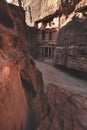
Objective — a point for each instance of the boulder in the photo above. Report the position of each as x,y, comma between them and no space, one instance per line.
67,110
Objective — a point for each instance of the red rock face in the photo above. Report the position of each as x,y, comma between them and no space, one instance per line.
22,101
67,110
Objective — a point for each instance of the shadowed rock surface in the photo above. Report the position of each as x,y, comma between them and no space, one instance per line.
67,110
72,45
22,101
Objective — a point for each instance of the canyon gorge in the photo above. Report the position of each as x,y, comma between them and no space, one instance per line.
24,105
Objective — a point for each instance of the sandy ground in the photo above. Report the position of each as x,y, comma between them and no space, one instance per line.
60,78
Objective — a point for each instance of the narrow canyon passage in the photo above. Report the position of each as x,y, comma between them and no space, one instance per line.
60,78
35,95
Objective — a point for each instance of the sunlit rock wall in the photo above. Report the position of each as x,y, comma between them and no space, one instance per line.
38,9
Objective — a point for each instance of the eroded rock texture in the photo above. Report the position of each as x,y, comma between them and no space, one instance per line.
22,101
39,9
67,110
72,44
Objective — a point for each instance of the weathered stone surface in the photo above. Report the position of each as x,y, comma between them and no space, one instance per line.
72,45
22,101
67,110
36,10
31,33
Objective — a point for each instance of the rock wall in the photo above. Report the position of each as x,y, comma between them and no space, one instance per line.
23,104
22,101
72,44
39,9
31,33
67,110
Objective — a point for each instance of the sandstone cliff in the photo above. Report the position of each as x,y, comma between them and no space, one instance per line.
72,45
22,101
72,42
23,104
39,9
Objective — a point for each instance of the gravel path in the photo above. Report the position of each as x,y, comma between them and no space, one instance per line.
60,78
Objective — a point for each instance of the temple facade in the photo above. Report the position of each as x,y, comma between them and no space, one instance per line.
46,35
46,42
48,27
